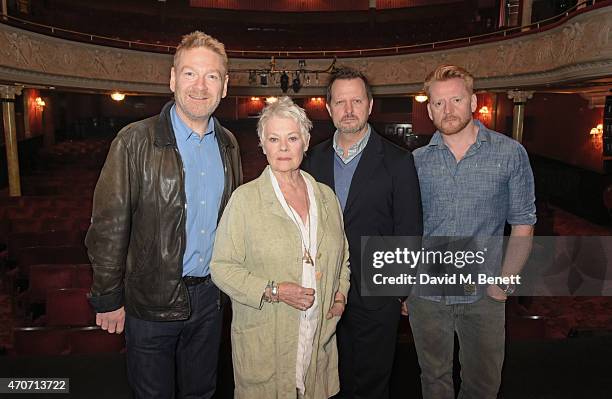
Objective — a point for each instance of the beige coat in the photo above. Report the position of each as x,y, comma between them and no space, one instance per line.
257,242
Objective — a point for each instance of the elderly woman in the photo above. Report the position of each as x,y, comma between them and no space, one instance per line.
282,257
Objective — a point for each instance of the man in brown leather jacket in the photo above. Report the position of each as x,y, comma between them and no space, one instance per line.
156,206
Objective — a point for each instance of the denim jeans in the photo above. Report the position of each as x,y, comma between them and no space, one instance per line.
480,328
168,358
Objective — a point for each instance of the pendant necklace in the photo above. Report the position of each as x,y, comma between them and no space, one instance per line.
306,256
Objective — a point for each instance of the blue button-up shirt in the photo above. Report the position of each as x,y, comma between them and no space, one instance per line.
204,183
491,185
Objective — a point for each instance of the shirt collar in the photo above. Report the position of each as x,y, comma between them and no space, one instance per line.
354,150
483,135
182,131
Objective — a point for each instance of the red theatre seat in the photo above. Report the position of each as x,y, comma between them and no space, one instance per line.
17,241
88,340
40,341
519,328
49,255
45,278
69,307
83,277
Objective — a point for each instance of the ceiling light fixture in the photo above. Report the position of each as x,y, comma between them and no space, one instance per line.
117,96
420,98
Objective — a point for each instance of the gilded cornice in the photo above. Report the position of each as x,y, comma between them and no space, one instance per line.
581,48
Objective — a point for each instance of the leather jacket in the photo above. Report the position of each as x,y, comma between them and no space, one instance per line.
137,236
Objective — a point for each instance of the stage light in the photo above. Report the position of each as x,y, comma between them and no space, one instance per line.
284,82
296,85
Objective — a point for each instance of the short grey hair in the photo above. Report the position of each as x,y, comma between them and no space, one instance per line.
284,107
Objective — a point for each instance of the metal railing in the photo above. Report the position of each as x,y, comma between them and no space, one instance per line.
389,50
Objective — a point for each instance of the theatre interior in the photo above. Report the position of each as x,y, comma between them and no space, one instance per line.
73,73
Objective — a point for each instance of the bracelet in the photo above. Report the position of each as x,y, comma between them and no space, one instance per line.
267,295
271,296
340,301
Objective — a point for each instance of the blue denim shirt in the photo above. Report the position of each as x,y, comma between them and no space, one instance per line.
491,185
204,183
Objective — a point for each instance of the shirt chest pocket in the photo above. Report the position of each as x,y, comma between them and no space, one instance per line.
487,181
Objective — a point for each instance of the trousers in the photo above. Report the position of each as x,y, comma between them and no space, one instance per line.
480,329
168,359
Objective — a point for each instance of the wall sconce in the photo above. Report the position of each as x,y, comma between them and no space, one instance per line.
254,98
420,98
597,130
39,102
118,96
316,99
484,110
271,100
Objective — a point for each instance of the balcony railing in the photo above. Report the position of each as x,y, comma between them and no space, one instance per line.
377,51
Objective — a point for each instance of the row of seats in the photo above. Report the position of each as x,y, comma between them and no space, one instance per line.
49,272
36,202
64,341
18,241
26,257
43,279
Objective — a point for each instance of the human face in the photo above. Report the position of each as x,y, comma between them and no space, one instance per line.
450,106
283,144
349,107
199,82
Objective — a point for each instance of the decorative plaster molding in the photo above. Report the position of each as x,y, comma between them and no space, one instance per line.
520,96
581,48
8,92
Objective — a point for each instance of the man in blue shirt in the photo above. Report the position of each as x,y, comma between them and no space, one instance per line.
473,180
160,194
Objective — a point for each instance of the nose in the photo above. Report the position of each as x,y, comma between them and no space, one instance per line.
447,107
200,83
348,108
283,145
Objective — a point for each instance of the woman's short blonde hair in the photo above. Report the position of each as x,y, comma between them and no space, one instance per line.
448,72
284,107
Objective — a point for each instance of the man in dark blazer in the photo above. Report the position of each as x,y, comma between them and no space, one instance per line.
377,185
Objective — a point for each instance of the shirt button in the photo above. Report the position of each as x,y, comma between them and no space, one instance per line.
202,231
201,260
203,202
202,173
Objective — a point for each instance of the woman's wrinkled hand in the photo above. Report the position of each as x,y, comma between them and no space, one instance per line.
337,307
295,295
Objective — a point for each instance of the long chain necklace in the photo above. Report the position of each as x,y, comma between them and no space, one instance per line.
306,256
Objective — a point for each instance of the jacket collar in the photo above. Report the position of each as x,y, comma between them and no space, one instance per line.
164,134
266,192
371,157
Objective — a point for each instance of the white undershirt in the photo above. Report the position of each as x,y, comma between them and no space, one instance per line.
308,318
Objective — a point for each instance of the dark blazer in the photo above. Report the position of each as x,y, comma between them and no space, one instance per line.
384,199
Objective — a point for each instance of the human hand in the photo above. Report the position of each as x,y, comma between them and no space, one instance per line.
496,293
337,307
295,295
404,310
112,322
